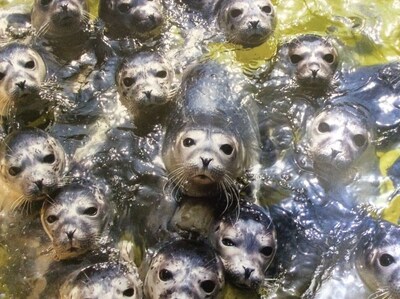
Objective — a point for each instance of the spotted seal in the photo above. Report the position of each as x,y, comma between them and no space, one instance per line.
212,138
132,18
75,220
145,83
22,72
184,269
64,24
33,164
112,279
245,240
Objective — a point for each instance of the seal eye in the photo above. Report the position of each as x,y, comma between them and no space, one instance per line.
359,140
227,242
2,75
13,171
128,292
92,211
227,149
124,7
161,74
324,127
165,275
267,9
267,250
45,2
49,159
128,81
235,12
329,58
295,59
208,286
51,218
30,64
386,260
187,142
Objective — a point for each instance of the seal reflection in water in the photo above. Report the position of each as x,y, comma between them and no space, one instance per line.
212,138
137,18
246,243
184,269
32,166
76,220
22,72
104,280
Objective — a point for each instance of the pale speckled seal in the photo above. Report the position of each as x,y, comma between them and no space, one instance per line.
76,220
103,280
245,240
132,18
22,72
212,138
145,83
33,164
184,269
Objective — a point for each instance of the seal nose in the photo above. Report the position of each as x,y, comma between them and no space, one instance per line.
148,93
64,6
206,161
247,272
254,24
314,72
335,153
39,184
21,84
70,234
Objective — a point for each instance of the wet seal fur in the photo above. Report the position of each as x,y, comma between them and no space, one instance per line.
211,139
32,164
133,18
245,240
113,279
76,220
243,22
184,269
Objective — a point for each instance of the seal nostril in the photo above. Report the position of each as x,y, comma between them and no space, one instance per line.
314,73
206,161
247,272
64,7
70,234
21,84
152,18
335,153
39,184
148,93
254,24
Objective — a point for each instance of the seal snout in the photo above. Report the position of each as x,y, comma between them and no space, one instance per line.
247,272
206,161
254,24
21,84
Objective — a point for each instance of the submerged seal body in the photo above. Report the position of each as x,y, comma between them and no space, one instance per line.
32,165
75,220
133,18
245,240
103,280
22,72
184,269
212,138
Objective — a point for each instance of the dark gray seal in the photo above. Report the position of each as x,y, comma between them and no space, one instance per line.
245,240
33,164
76,220
132,18
184,269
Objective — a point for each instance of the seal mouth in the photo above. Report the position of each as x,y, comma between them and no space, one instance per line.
202,179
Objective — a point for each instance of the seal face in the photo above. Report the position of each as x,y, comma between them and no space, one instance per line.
212,139
312,60
338,137
32,163
144,81
75,220
58,19
244,22
103,280
139,18
246,243
22,71
184,269
378,263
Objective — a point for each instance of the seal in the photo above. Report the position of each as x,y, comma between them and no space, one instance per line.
202,154
75,220
245,240
184,269
22,72
145,86
63,24
32,164
112,279
132,18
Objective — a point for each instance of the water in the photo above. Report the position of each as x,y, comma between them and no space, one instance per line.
98,134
